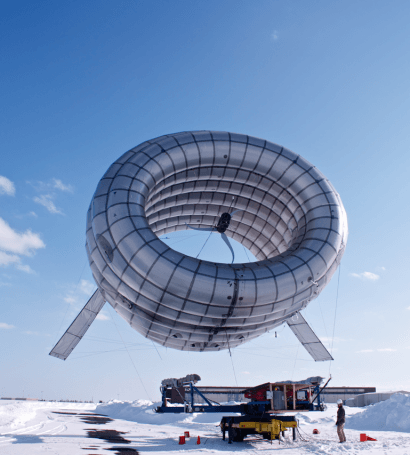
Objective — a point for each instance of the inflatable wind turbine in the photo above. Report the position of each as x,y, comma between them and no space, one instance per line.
264,196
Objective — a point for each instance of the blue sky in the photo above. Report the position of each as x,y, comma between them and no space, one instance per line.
82,82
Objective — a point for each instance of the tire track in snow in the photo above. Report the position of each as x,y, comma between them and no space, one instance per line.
52,429
6,439
26,429
62,430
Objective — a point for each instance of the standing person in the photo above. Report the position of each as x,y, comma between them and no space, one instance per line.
340,422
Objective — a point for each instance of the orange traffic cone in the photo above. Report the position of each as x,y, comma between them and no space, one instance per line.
181,440
371,439
198,441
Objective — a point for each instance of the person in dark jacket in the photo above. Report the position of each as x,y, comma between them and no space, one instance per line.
340,422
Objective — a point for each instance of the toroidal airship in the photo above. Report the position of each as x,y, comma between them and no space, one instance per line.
266,197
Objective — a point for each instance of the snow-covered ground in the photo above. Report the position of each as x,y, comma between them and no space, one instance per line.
43,428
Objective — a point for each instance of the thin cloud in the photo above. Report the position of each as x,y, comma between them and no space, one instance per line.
367,276
52,184
25,243
25,268
14,244
31,214
7,259
46,200
387,350
70,299
365,351
102,317
275,35
75,294
7,186
59,185
12,259
87,287
49,193
5,326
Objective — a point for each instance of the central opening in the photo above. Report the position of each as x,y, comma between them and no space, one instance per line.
264,217
207,246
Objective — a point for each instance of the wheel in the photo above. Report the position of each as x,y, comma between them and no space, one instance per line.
237,435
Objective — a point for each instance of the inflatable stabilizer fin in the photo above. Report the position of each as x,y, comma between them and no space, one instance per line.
308,338
79,327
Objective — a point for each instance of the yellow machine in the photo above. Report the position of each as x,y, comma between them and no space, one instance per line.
270,430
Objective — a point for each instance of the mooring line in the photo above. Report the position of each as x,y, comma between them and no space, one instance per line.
153,344
69,304
246,253
230,355
296,358
129,355
334,321
203,246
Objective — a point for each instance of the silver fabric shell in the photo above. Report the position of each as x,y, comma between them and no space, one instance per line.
293,221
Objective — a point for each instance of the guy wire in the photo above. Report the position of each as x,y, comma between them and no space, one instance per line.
334,322
129,355
296,358
246,253
204,245
153,344
69,304
230,355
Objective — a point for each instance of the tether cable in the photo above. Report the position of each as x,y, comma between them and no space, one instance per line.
230,355
69,303
153,344
129,355
334,321
246,253
296,358
203,246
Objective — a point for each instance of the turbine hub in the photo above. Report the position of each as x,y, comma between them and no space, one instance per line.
223,223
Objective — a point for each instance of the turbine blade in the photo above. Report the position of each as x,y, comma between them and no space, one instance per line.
226,240
200,229
80,325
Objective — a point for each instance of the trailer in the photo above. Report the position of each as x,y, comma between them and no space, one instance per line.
263,414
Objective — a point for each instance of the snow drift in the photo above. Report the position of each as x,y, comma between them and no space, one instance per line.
16,413
390,415
143,411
